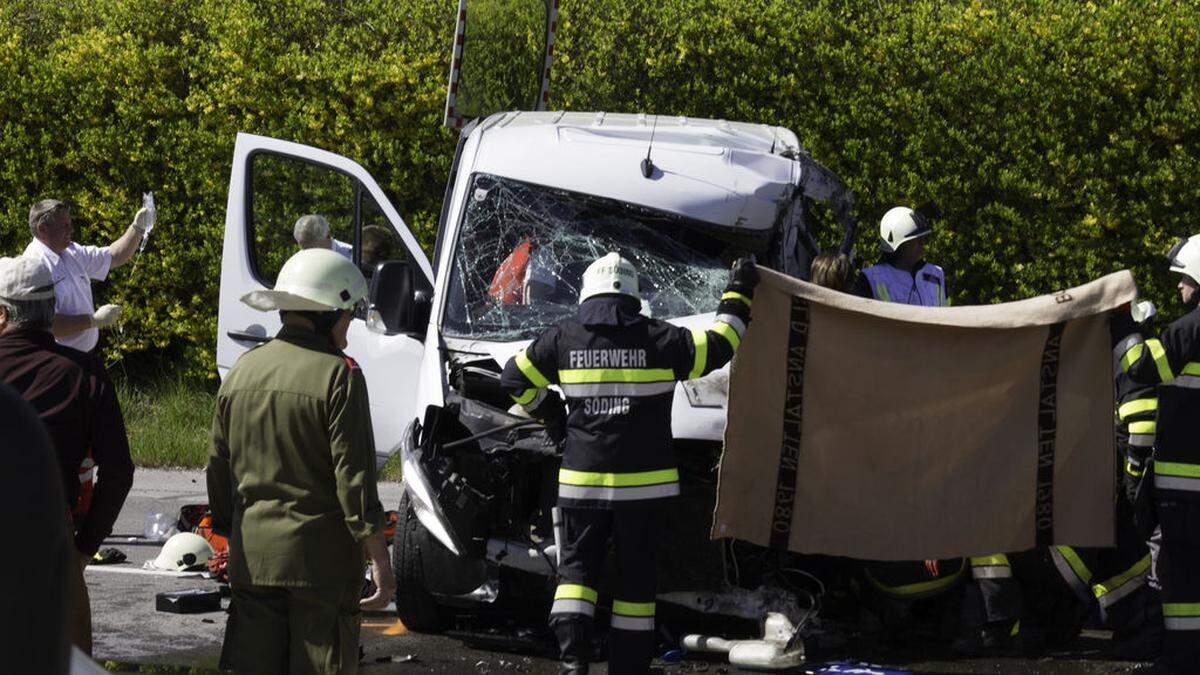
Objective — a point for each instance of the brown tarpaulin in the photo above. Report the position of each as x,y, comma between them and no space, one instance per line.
891,432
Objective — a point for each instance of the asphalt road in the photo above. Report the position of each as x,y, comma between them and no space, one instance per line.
129,630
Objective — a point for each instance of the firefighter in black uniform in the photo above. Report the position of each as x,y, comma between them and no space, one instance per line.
1115,579
1172,361
617,370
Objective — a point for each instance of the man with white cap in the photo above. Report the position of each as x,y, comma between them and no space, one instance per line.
73,267
291,480
77,403
617,370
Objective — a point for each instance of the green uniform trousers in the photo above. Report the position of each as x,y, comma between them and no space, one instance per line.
301,631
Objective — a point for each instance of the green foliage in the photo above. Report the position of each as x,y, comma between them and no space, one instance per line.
168,420
1058,136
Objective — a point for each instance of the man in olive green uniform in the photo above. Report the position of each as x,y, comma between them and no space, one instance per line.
291,478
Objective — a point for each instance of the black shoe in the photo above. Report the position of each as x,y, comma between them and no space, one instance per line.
1144,645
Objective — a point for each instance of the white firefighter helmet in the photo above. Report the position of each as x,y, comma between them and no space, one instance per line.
183,551
1185,257
901,224
315,280
610,275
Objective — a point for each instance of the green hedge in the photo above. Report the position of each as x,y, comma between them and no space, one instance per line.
1058,137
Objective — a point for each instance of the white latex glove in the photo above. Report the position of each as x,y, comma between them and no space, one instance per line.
1142,311
144,220
106,316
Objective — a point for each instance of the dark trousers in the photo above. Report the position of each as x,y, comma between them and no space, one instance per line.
1113,578
584,536
1179,573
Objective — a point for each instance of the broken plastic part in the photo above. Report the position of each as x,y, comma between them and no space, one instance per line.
498,292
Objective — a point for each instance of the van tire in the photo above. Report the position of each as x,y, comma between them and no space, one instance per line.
416,607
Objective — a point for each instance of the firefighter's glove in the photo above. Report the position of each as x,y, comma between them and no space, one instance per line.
1142,311
744,275
106,316
143,220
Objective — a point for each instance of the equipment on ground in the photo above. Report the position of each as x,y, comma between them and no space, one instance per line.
777,650
313,280
191,601
182,552
1185,257
901,224
610,275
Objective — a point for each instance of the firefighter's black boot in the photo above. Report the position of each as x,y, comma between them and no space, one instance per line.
574,644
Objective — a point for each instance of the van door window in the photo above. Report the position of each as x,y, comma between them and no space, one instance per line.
284,189
378,241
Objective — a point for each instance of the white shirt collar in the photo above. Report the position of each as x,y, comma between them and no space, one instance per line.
45,251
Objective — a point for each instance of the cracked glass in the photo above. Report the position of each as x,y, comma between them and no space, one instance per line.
523,248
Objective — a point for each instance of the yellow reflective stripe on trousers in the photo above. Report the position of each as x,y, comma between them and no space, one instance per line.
1139,568
881,292
1139,406
575,592
591,478
633,608
1081,571
734,295
726,331
526,396
700,343
1191,368
1143,427
920,589
1160,359
990,560
1177,469
1133,469
1181,616
530,371
592,375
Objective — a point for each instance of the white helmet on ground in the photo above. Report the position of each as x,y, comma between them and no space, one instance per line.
610,275
1185,257
183,551
901,224
313,280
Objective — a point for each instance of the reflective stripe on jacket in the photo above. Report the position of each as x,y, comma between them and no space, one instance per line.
1171,361
617,370
926,286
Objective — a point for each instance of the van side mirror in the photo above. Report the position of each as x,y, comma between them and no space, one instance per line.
399,300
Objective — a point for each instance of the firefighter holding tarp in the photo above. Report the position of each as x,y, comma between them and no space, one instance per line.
1173,362
617,370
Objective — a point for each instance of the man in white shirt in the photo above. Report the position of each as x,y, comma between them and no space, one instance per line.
73,267
312,231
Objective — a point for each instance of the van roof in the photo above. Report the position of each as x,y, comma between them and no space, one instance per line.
733,174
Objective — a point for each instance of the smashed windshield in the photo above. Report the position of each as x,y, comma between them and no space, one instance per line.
523,248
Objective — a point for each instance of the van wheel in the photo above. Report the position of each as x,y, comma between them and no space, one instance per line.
416,607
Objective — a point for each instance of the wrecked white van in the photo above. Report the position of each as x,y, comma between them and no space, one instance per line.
532,199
